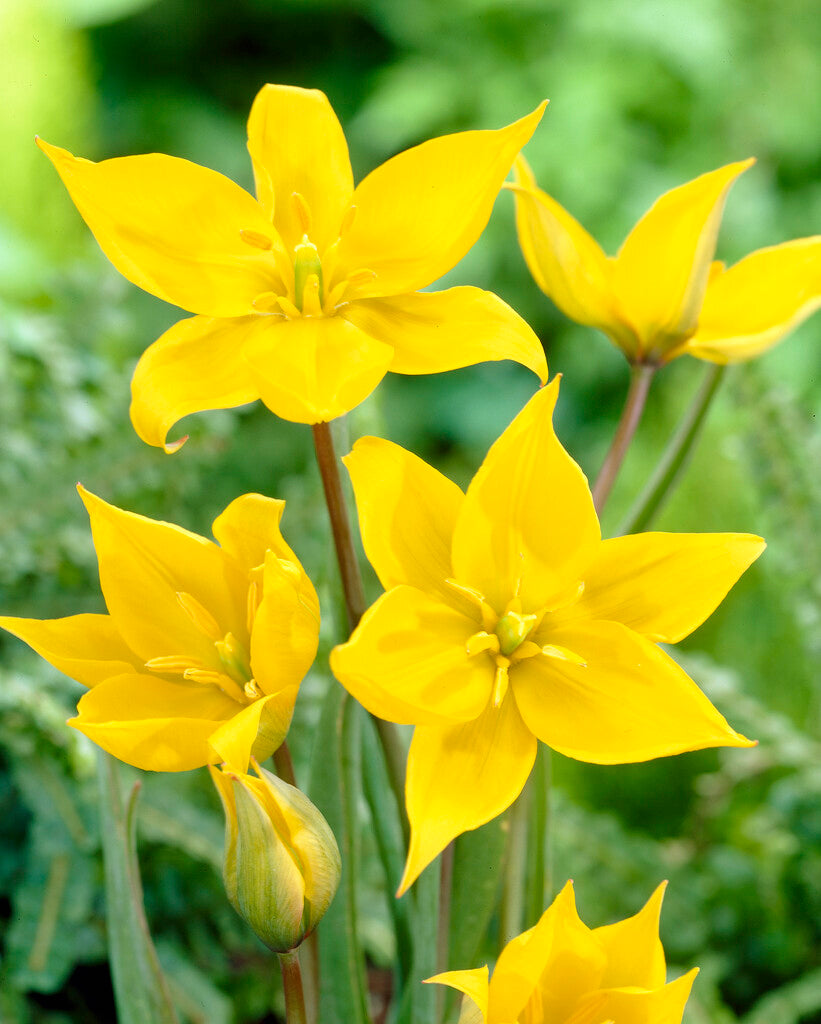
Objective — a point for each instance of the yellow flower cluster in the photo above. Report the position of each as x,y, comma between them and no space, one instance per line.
506,618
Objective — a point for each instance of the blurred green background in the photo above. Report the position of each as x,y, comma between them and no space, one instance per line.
645,94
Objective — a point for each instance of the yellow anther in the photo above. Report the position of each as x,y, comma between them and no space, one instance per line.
251,605
501,680
334,297
201,617
526,649
480,642
209,678
489,616
563,654
360,277
256,239
312,297
267,302
252,690
176,664
347,220
512,628
288,308
302,211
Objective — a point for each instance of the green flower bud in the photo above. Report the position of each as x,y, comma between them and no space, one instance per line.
282,863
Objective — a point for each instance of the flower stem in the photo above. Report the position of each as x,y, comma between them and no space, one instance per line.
675,457
641,377
355,598
513,892
443,931
292,983
540,887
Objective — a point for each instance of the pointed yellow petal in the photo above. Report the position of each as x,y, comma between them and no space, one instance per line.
407,511
87,648
662,269
663,1005
635,956
257,730
144,564
432,332
194,366
566,262
460,776
631,703
297,145
663,585
549,966
172,228
528,525
753,305
407,661
474,984
154,724
249,527
420,212
286,627
313,369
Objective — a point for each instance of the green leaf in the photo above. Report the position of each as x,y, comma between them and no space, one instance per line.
419,1004
334,788
476,879
140,989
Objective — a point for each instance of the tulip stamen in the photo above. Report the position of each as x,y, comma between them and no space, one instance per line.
501,680
256,239
302,211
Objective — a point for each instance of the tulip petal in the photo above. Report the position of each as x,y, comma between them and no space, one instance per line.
631,702
407,511
297,145
548,966
144,564
249,527
256,730
194,366
87,648
527,525
662,268
663,585
432,332
286,627
152,723
473,984
407,661
663,1005
566,262
635,955
421,211
313,369
173,228
460,776
754,304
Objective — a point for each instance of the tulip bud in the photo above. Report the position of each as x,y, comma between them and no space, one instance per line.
282,863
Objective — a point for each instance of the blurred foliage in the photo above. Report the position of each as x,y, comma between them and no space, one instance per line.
645,94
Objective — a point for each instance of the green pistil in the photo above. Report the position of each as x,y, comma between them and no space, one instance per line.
512,629
306,262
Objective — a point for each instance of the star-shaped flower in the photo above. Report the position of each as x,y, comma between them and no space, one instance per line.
203,648
562,972
663,296
307,295
507,619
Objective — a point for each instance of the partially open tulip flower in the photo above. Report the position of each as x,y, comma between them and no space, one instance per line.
203,648
562,972
663,295
307,295
507,619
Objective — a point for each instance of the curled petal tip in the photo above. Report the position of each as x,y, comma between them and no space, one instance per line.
169,447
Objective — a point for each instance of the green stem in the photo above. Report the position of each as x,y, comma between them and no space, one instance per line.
513,894
676,456
443,930
354,592
641,377
292,983
538,854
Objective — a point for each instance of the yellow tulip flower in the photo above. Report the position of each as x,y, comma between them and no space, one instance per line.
507,619
307,295
203,648
663,296
282,862
562,972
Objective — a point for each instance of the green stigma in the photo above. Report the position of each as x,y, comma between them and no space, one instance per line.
512,629
306,262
